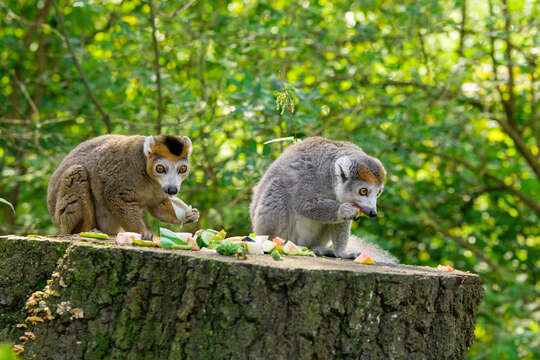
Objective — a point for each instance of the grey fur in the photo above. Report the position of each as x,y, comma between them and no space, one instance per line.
307,195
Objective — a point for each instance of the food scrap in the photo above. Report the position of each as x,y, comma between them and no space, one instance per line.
208,238
359,212
278,240
276,255
445,268
168,239
227,248
213,241
364,258
180,208
94,235
126,238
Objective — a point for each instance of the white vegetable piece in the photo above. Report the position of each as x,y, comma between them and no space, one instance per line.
184,235
180,208
268,246
254,248
126,238
290,247
261,238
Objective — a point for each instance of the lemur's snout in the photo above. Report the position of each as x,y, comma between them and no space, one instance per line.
371,212
170,189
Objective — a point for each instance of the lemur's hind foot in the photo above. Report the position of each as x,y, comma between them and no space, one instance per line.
332,253
74,208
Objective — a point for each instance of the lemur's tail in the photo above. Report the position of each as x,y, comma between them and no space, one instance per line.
357,244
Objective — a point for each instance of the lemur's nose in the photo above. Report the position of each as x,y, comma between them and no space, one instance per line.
372,213
171,190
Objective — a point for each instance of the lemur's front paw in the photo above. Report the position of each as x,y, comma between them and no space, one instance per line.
347,211
147,235
192,215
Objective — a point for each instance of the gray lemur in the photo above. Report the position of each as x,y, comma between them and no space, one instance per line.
313,191
105,182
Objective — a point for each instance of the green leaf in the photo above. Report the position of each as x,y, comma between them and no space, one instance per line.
4,201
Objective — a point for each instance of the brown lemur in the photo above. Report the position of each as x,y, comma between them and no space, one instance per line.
105,182
309,193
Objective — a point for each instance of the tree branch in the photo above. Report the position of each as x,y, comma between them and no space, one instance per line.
524,198
156,66
27,96
535,118
104,115
423,52
434,224
110,20
511,103
521,146
462,31
181,10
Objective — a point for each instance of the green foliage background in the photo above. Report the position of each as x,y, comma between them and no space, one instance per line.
445,93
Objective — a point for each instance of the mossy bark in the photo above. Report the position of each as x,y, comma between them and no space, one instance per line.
139,303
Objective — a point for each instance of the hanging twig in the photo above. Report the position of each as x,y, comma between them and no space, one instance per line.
104,115
156,66
289,105
181,10
27,96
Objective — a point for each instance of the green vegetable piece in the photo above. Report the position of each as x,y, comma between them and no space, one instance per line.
166,243
227,248
221,235
166,233
181,247
210,238
143,243
276,256
203,240
32,236
94,235
302,251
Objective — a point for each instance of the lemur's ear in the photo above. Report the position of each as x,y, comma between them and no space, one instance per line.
342,167
187,142
147,146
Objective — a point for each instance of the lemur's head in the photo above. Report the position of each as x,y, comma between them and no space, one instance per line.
167,160
359,180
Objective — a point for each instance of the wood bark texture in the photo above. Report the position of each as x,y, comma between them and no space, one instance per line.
98,300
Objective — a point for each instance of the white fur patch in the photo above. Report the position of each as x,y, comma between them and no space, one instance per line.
188,143
343,166
147,146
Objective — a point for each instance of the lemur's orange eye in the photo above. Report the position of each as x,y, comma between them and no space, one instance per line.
160,169
363,191
182,169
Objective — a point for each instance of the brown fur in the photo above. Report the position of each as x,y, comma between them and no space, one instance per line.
160,148
103,183
364,173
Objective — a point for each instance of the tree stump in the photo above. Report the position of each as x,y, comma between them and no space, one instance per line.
94,300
